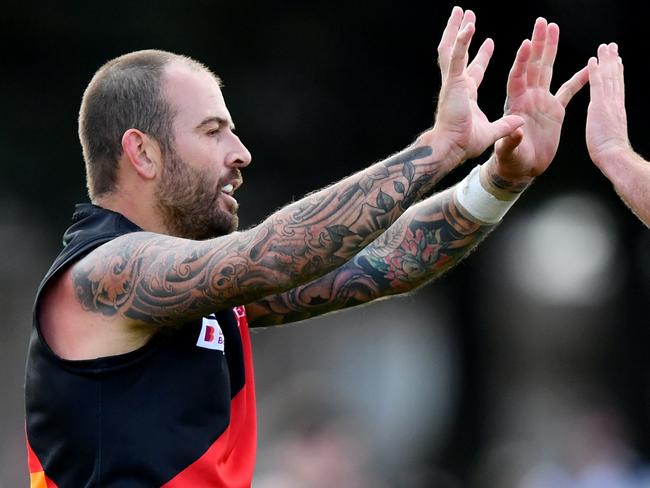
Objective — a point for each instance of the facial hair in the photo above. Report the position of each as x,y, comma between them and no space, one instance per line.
188,200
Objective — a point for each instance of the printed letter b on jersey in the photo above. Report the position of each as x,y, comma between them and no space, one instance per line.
211,336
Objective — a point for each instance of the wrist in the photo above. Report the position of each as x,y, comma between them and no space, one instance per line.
503,184
620,166
479,204
448,154
616,158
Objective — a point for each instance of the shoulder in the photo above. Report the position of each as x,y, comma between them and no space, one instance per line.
72,332
78,306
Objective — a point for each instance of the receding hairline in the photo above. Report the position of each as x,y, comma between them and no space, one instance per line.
180,60
166,60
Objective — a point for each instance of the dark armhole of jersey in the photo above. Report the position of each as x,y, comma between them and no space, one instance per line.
63,262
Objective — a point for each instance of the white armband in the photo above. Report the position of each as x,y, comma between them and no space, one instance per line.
478,202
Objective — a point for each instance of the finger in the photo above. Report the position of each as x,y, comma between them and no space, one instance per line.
538,41
517,78
608,69
572,86
458,59
616,73
506,125
621,78
510,142
612,49
479,64
613,71
448,37
595,79
548,58
468,18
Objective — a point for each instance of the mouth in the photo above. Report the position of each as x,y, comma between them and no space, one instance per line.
229,189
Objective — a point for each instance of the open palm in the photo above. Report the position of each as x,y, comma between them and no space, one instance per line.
529,151
606,117
458,116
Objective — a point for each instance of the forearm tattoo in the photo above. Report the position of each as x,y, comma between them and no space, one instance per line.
151,278
420,246
501,184
506,185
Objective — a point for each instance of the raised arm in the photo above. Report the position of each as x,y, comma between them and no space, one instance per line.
435,234
528,152
607,137
427,240
148,278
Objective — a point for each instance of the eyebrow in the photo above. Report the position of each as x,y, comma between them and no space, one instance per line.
218,120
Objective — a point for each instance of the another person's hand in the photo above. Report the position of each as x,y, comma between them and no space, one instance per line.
459,120
607,137
529,150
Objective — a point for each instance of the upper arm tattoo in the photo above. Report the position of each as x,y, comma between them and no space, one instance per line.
151,278
425,242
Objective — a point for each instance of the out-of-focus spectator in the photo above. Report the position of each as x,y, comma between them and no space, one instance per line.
596,454
319,444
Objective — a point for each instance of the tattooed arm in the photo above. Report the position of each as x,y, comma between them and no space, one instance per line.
433,235
145,278
148,278
152,278
427,240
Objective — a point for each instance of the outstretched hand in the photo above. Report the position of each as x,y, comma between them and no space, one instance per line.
529,150
606,118
459,120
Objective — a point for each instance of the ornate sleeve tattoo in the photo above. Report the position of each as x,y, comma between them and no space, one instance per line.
150,278
425,242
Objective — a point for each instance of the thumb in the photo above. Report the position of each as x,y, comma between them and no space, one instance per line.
510,142
508,125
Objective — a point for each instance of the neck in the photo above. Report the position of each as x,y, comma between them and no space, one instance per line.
138,209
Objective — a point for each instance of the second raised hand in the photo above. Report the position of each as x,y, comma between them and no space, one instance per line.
459,120
528,151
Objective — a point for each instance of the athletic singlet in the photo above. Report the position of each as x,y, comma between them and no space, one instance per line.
179,412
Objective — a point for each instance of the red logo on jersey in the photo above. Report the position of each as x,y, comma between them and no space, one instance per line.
211,335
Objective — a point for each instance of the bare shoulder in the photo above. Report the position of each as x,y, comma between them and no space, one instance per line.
75,333
86,311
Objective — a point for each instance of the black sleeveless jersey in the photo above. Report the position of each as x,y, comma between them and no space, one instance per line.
179,412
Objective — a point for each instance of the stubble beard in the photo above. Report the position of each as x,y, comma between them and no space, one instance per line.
188,200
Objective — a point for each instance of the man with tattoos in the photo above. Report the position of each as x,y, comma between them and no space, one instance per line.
139,370
607,139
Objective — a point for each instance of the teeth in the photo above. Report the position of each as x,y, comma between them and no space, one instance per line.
227,188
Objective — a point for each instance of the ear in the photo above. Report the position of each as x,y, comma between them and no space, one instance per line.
142,152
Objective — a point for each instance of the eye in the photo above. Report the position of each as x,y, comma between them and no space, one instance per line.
214,132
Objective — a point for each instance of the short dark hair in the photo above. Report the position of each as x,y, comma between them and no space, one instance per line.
124,93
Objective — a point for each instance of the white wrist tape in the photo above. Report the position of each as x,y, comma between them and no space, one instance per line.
478,202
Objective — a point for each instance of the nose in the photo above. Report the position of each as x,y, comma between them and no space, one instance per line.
239,156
